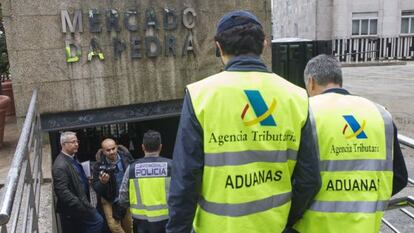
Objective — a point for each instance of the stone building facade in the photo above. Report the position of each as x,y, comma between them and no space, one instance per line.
94,54
333,19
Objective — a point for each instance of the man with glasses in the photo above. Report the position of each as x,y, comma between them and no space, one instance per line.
71,187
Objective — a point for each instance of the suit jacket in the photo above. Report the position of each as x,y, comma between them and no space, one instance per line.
71,196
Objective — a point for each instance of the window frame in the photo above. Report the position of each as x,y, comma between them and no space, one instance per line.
360,17
410,17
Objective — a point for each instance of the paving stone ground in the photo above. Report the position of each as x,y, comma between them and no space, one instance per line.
392,87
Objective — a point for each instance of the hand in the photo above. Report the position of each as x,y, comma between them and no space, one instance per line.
118,212
104,177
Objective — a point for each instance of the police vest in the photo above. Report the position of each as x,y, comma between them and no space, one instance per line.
149,184
355,146
252,125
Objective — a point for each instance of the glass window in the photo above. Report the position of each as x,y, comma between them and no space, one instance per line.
404,25
407,13
355,27
373,27
364,27
407,22
412,25
364,23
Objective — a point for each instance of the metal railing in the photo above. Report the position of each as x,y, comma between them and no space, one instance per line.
365,49
19,203
400,203
4,77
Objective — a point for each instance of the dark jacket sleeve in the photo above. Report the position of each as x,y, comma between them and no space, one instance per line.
108,190
187,169
61,184
400,178
306,179
96,184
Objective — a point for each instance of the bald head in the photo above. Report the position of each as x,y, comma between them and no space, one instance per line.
110,149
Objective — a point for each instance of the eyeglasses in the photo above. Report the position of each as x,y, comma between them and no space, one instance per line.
74,141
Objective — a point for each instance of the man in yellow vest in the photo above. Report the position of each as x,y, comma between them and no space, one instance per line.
145,187
244,159
360,158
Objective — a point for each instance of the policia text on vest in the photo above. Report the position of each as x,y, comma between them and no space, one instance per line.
150,169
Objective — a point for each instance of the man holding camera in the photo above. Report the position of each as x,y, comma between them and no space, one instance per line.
111,163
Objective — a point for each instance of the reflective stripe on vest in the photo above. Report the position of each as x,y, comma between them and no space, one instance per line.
246,157
356,172
349,206
237,210
149,211
356,165
148,192
251,125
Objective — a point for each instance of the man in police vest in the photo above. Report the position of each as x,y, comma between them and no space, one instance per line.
145,187
360,158
244,158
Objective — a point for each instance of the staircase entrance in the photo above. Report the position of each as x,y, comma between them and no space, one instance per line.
125,124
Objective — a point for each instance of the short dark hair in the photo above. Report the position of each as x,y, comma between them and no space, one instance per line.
243,39
151,140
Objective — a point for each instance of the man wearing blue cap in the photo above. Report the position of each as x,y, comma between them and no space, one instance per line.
244,159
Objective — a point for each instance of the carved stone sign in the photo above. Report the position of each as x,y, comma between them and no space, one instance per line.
110,20
86,55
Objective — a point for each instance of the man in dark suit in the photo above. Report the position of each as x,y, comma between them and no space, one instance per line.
72,190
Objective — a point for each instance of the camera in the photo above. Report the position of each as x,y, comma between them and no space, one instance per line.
108,168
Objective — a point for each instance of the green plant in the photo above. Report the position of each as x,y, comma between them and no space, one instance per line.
4,59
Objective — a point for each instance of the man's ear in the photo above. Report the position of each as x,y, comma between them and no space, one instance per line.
311,83
265,44
219,51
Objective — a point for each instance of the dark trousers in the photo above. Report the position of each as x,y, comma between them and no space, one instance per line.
143,226
92,223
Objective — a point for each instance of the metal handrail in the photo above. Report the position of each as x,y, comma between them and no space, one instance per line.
20,180
369,51
399,203
406,140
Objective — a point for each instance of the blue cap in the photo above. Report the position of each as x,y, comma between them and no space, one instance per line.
236,18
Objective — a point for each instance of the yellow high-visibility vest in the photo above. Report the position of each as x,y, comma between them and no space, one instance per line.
354,137
252,125
149,184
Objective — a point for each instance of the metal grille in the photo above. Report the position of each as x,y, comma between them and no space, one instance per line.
404,203
373,49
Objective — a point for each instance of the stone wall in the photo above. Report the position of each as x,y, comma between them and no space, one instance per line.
294,18
306,19
36,44
331,19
